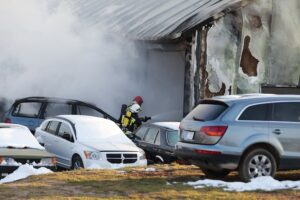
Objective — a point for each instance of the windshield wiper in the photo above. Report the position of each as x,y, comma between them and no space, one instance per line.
198,119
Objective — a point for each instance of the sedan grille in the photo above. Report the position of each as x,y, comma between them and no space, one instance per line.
118,158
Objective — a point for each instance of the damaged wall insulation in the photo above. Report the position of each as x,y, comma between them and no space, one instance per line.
257,44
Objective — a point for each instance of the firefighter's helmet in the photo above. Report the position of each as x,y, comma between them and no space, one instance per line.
138,100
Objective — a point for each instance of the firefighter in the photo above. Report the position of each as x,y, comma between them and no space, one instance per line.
129,119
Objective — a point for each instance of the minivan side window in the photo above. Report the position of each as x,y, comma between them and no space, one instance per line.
256,113
151,135
287,111
52,127
27,109
54,109
85,110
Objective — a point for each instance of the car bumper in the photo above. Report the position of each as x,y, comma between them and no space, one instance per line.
210,158
102,164
10,169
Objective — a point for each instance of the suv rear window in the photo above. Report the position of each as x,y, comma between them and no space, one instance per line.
27,109
207,111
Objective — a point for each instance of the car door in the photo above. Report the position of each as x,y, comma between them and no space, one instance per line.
49,136
170,138
64,144
139,135
285,126
148,143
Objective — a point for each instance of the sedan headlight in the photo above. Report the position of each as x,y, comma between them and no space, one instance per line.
142,155
92,155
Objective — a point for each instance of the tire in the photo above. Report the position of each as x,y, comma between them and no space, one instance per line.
77,163
257,162
214,174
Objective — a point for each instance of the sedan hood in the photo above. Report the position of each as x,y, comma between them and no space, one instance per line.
110,146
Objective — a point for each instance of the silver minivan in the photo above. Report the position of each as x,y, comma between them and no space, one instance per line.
254,134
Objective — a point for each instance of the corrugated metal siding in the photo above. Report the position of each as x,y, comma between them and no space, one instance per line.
149,19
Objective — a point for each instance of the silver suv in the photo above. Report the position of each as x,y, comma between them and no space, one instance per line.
254,134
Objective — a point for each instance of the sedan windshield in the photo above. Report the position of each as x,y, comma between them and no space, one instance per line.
18,137
100,131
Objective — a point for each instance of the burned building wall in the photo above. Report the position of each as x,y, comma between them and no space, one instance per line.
254,45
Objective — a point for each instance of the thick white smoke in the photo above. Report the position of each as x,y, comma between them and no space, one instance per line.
47,51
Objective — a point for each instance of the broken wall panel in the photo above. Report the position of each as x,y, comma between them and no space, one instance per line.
257,44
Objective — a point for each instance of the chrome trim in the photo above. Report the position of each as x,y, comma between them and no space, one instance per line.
265,102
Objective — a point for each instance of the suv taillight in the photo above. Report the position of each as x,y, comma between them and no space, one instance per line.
214,130
7,120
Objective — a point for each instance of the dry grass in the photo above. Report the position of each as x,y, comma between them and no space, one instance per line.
133,184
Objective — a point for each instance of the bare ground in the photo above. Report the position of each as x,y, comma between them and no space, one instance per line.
134,183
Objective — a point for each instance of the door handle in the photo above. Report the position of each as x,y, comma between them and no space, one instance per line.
277,131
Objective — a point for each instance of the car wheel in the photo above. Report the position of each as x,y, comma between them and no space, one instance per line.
77,163
258,162
214,174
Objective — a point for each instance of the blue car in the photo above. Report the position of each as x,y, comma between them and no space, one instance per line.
32,111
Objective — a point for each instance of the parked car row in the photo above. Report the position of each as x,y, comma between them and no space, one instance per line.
253,134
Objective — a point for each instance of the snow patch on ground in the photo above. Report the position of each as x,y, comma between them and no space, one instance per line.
150,169
261,183
23,172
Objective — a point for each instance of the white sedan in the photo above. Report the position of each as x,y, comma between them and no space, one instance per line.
88,142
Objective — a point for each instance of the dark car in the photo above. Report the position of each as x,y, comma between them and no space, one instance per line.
158,140
32,111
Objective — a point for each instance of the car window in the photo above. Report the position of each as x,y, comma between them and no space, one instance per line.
286,112
85,110
27,109
44,126
206,111
64,129
54,109
141,133
151,135
172,137
256,112
157,140
52,127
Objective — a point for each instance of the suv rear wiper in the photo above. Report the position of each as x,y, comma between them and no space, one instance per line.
198,119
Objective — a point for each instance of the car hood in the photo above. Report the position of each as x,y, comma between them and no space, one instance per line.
24,153
110,146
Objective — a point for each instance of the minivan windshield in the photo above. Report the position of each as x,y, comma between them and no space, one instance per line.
206,111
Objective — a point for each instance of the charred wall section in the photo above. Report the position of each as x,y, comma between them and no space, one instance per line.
257,44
